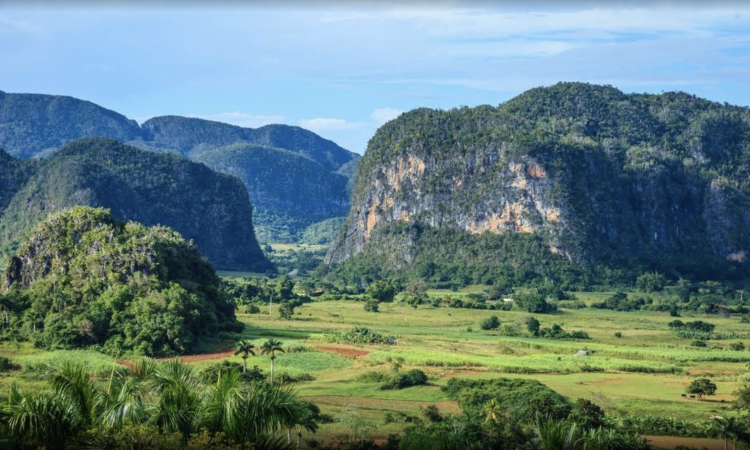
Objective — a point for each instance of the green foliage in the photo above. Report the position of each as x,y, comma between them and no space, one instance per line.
372,305
209,208
701,387
382,291
292,193
587,414
534,303
34,124
154,404
620,302
490,323
651,282
414,377
85,279
358,335
524,399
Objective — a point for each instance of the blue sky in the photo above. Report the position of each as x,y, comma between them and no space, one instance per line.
343,71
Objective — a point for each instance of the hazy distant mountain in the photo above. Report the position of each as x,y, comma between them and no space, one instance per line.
210,208
36,125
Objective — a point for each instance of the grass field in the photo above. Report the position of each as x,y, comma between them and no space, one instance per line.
643,372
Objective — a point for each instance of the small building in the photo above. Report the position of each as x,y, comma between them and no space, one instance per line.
507,300
582,353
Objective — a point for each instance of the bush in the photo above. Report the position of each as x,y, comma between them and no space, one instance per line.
651,282
737,346
414,377
6,365
372,305
699,343
491,323
618,334
359,335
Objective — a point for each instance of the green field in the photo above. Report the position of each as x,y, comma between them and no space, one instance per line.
644,372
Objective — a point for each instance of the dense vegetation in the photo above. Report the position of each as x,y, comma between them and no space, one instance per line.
85,279
620,185
32,124
295,177
211,209
289,191
154,405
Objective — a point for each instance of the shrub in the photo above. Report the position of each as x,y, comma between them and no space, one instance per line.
737,346
414,377
491,323
699,343
6,365
618,334
372,305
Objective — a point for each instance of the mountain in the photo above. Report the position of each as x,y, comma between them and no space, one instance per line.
574,183
285,187
83,278
34,124
189,135
209,208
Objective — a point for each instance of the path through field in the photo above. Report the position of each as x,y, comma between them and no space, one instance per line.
670,442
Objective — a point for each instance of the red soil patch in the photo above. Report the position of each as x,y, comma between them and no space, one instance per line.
342,351
201,357
670,442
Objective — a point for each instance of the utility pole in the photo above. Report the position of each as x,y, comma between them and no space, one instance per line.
270,305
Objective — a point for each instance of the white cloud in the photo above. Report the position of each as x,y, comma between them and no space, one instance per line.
242,119
321,124
383,115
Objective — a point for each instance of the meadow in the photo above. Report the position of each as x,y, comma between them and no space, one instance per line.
642,372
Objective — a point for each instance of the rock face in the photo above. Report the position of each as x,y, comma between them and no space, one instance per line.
631,182
210,208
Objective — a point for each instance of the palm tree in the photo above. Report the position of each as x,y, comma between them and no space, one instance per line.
492,411
726,428
270,347
177,390
555,435
244,348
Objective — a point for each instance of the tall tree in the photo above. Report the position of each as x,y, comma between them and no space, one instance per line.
271,347
244,348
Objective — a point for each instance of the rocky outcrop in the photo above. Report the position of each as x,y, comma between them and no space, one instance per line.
645,182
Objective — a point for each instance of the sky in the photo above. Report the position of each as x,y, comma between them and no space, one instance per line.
342,71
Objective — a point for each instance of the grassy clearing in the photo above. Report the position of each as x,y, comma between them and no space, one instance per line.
643,372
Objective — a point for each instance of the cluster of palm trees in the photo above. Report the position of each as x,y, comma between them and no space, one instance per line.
168,397
729,428
554,434
271,347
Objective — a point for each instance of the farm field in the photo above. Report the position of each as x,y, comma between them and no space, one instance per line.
644,372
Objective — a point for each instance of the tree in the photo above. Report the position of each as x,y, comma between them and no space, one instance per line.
701,387
244,348
534,303
492,411
286,310
727,428
285,288
587,414
532,325
490,323
371,305
742,396
382,291
271,347
737,346
416,292
651,282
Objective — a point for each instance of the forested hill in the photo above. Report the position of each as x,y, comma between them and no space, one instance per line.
36,125
209,208
189,135
285,187
574,182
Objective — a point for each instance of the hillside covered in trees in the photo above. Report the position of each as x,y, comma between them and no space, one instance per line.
574,183
82,278
34,125
209,208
